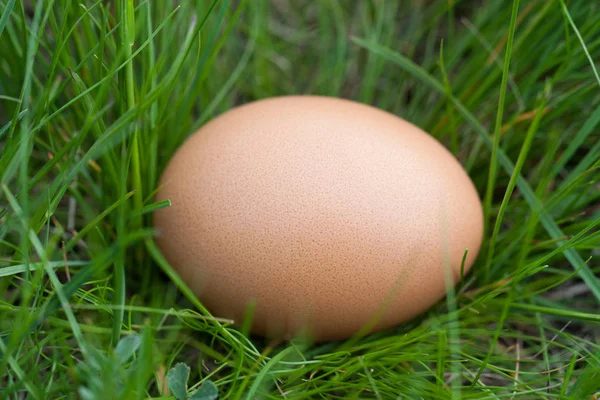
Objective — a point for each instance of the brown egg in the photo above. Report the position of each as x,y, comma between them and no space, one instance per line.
325,213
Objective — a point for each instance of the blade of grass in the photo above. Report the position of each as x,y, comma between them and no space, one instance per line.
533,128
370,378
583,46
128,41
491,181
154,107
253,390
6,127
568,314
17,269
152,207
449,109
73,241
6,12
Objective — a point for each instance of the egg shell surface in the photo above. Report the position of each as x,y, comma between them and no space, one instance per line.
326,214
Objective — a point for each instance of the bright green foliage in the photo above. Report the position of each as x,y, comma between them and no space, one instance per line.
95,97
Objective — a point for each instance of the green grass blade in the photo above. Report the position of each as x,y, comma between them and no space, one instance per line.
583,46
18,269
533,128
491,182
6,12
253,390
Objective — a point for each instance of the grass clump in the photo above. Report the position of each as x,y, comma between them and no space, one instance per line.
96,96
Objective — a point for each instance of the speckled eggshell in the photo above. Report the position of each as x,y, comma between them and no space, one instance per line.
325,213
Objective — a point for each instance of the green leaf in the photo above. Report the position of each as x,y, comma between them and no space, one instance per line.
177,380
86,394
71,243
6,14
208,391
152,207
17,269
583,46
262,375
6,127
127,347
587,384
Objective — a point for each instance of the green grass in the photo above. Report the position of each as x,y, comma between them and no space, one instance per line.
95,97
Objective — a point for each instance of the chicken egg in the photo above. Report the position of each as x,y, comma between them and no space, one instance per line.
328,215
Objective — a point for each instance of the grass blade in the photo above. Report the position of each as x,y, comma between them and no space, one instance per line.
491,182
6,12
513,180
583,46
